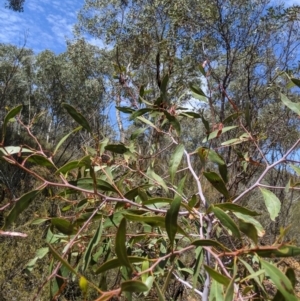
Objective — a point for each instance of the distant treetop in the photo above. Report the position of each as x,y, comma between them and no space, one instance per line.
15,5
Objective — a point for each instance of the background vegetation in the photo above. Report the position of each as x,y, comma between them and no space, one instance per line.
191,193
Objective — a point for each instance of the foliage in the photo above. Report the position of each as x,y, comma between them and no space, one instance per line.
196,195
104,203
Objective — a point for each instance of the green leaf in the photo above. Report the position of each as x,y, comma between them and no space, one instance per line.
216,291
92,244
296,81
252,272
21,204
63,261
115,263
296,169
68,166
134,286
254,222
117,148
217,182
40,253
149,282
248,229
226,221
235,208
209,243
148,122
159,292
290,274
78,117
282,283
154,221
190,114
12,150
126,110
62,225
164,84
40,160
63,139
272,203
232,117
11,114
217,276
140,112
137,132
291,105
175,160
197,90
88,184
174,122
120,244
171,220
217,133
156,179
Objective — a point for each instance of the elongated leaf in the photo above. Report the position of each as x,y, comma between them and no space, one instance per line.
63,225
190,114
137,132
290,274
164,84
159,292
11,114
149,282
157,179
226,221
117,148
232,117
11,150
40,253
175,160
254,222
131,194
235,208
21,205
88,184
92,244
63,139
171,220
63,261
217,276
115,263
154,221
296,169
209,243
248,229
216,133
174,122
216,291
252,272
120,244
40,160
217,182
140,112
291,105
78,117
272,203
282,283
69,166
197,90
126,110
134,286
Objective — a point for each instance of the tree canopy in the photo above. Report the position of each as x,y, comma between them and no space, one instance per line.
191,191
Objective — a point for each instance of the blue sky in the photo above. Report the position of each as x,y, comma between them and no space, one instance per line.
45,24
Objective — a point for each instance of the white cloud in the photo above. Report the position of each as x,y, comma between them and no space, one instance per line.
44,24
